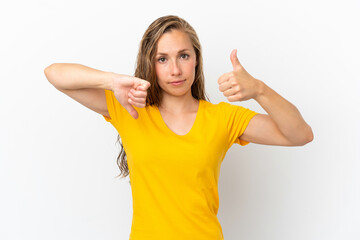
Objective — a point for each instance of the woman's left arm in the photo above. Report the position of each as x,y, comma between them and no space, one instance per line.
282,126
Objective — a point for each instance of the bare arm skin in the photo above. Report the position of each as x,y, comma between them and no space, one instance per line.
86,85
283,126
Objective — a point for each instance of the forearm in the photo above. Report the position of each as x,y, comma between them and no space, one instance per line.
286,116
77,76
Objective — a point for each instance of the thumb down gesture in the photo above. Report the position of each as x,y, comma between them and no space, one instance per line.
238,85
130,91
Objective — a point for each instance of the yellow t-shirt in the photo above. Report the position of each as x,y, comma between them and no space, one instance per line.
174,178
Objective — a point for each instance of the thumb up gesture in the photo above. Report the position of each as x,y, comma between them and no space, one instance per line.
238,85
130,91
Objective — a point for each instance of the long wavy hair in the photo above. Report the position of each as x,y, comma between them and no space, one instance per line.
145,68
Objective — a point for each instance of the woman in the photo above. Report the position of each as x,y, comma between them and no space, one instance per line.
173,140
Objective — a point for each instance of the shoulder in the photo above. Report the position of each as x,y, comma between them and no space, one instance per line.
210,105
221,106
228,112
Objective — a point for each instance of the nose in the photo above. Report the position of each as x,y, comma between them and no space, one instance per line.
175,68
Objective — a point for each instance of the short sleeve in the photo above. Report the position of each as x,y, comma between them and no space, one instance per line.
236,120
114,108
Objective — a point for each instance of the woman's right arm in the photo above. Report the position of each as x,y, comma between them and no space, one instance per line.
77,76
86,85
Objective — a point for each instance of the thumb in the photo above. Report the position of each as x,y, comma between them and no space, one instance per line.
131,110
234,60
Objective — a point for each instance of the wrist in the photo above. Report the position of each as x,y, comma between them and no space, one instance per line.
110,80
261,89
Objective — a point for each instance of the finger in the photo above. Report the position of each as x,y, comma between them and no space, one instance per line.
137,83
131,110
225,86
141,88
235,97
229,92
138,93
234,60
141,84
136,104
223,78
145,84
136,100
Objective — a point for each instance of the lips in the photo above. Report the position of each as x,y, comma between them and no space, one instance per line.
177,81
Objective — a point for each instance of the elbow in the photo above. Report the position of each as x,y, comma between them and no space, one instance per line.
303,139
48,69
309,137
49,72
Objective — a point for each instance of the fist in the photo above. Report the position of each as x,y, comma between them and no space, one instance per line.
238,85
130,91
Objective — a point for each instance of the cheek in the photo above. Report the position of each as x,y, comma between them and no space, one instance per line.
156,69
160,75
190,68
159,71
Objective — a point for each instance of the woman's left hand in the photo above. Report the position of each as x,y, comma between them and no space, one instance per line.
238,85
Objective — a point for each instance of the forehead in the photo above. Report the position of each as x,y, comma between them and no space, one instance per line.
174,41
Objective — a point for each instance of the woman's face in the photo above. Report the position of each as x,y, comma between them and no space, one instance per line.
175,60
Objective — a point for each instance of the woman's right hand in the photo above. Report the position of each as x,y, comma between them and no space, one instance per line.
130,91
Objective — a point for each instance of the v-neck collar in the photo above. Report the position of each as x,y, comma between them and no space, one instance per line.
192,128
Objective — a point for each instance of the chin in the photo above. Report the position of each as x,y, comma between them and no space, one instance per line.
179,92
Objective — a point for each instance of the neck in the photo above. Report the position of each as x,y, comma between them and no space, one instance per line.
179,104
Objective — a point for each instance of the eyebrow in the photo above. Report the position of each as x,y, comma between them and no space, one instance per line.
183,50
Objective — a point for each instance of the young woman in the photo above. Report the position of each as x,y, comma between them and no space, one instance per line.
173,139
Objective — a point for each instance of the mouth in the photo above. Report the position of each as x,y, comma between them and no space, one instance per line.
177,81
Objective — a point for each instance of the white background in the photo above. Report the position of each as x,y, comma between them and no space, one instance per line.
58,158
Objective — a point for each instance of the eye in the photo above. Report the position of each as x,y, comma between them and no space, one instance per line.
184,56
187,55
159,60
